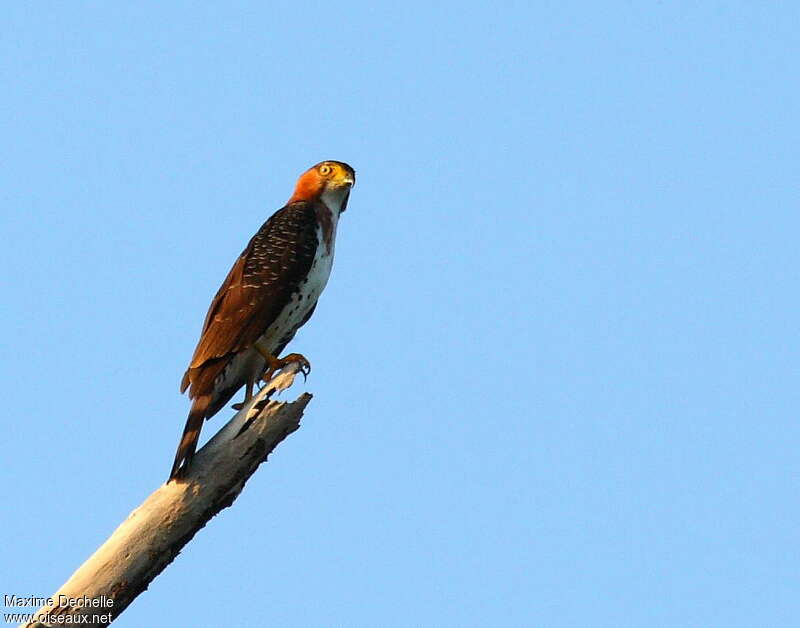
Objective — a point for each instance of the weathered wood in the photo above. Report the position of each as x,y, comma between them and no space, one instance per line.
153,534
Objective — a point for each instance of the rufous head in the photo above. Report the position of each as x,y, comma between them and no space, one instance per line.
331,179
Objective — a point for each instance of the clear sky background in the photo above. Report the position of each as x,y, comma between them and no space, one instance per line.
556,366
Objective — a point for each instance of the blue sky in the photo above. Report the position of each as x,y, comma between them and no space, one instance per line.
555,368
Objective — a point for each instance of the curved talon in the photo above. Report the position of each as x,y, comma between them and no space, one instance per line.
275,364
305,365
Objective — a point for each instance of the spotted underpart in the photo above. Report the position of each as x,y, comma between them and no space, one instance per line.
298,309
278,277
270,293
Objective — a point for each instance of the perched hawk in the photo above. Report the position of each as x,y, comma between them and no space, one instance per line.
270,292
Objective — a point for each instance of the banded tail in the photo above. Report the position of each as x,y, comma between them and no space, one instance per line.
191,434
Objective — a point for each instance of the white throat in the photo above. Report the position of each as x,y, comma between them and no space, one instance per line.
334,198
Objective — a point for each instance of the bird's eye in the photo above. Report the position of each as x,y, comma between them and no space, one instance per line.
325,169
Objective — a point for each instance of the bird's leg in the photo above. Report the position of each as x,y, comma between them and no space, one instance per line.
275,364
248,394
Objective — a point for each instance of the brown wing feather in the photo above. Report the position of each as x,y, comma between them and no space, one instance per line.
255,291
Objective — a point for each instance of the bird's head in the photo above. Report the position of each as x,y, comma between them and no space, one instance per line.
328,181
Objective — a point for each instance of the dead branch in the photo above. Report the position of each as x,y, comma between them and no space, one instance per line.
153,534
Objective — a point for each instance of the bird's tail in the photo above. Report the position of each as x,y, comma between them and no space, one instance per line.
191,434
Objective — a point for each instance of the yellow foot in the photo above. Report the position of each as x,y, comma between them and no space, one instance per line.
276,364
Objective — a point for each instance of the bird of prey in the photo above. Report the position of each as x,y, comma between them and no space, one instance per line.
270,293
